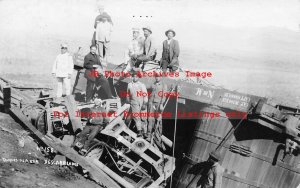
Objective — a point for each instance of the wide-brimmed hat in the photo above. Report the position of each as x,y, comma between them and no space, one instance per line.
104,15
147,28
170,30
215,155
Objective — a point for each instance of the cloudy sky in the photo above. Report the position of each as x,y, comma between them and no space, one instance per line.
231,13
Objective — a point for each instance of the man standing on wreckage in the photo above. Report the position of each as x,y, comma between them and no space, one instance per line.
137,103
156,101
90,61
103,36
96,81
62,70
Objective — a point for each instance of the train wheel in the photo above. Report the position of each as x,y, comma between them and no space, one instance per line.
95,152
32,111
41,123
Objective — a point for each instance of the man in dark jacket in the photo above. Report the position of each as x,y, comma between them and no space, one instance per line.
91,61
170,52
96,122
102,88
208,173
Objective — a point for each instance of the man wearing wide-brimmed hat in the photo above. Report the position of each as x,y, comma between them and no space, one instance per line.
62,70
170,52
149,48
137,98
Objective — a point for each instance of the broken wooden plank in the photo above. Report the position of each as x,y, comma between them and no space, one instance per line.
6,98
97,174
72,108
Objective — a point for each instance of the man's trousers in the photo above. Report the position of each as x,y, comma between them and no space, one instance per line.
166,64
88,133
103,49
138,117
153,107
67,84
89,90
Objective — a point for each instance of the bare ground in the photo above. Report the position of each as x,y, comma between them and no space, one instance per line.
18,162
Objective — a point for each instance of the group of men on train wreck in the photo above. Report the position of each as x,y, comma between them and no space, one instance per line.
141,50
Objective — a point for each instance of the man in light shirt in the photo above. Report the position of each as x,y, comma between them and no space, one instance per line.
135,48
103,35
62,69
149,48
138,103
101,14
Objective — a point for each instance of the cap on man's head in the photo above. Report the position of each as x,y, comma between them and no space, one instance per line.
148,29
215,155
64,45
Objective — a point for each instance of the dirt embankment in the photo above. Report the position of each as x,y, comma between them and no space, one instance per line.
22,163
